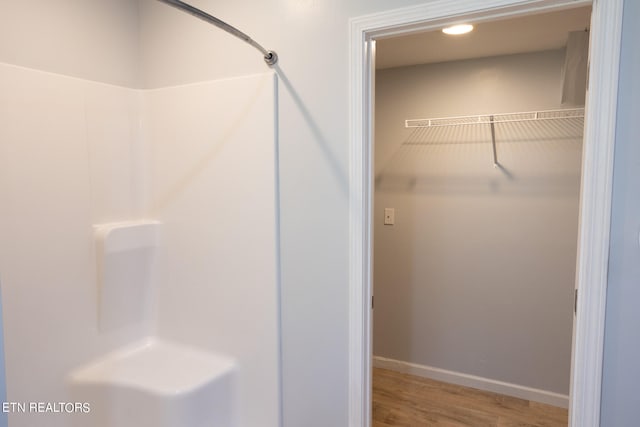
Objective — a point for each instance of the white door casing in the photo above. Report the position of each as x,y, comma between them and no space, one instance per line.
595,193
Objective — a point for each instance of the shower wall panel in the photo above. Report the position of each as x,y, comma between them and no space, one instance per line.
212,154
68,159
200,159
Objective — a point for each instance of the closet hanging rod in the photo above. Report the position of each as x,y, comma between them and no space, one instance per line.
270,57
526,116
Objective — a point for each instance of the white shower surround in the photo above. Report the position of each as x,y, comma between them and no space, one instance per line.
74,153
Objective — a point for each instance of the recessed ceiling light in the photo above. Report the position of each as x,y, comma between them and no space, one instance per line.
458,29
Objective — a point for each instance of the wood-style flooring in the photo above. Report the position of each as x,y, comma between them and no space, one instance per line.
410,401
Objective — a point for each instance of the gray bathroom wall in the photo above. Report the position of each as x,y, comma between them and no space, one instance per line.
621,373
89,39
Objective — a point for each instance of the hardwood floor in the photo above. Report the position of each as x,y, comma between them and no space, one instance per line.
410,401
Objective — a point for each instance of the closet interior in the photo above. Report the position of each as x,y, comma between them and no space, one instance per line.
478,159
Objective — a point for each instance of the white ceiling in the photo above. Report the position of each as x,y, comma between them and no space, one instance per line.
518,35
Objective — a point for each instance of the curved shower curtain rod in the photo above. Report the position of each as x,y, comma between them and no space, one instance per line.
270,57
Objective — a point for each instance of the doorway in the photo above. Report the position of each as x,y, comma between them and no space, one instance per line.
478,142
595,193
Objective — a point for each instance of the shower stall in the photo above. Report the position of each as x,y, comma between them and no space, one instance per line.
139,284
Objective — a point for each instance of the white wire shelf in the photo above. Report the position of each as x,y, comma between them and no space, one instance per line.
527,116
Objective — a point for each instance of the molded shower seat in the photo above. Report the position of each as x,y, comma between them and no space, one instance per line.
157,383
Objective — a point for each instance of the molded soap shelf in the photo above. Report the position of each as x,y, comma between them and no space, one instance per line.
124,259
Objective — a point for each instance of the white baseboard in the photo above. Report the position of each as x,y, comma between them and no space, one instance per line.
486,384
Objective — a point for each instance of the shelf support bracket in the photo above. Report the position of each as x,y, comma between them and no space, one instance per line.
493,142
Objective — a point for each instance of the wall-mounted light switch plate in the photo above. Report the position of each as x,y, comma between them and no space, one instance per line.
389,216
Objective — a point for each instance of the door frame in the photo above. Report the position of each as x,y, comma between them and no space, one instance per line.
595,193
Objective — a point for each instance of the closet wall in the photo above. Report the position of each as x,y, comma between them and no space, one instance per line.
477,274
